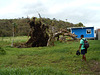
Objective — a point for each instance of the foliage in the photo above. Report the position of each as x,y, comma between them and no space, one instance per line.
79,25
6,25
2,51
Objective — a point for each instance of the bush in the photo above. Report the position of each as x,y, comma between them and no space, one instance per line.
2,51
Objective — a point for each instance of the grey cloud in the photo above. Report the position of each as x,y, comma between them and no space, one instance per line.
32,7
73,14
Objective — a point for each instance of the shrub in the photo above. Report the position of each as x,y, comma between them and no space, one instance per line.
2,51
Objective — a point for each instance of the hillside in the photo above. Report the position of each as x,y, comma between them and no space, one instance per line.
58,60
22,28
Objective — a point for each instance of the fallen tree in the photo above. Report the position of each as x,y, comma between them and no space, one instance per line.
42,34
64,32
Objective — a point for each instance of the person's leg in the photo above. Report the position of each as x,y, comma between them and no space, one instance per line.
84,57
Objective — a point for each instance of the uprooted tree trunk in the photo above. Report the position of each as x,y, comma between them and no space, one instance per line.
65,33
71,35
38,35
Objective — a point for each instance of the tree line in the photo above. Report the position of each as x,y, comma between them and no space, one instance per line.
22,26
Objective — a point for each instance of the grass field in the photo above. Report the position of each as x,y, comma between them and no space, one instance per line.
58,60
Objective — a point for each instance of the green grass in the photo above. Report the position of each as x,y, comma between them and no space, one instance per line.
58,60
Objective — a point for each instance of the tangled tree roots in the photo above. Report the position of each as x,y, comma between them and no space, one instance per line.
38,35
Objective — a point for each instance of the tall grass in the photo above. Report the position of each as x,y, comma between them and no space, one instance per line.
32,71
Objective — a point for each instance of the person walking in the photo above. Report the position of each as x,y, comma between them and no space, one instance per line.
82,47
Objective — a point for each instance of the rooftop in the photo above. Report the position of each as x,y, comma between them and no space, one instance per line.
79,27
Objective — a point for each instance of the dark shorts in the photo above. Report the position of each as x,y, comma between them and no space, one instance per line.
84,51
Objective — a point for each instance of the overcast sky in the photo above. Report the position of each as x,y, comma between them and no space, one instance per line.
75,11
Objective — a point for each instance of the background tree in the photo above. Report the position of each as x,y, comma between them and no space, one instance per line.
79,25
23,27
13,31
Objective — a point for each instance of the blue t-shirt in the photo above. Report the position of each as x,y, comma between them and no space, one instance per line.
82,42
